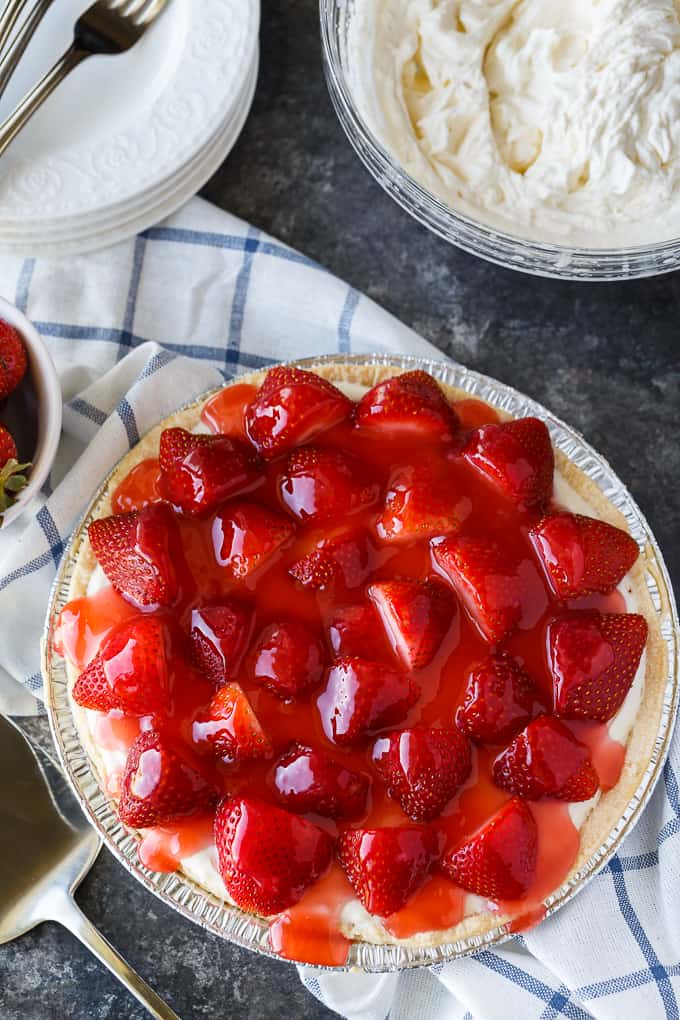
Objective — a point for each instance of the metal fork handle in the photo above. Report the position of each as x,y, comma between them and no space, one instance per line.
8,19
66,911
32,102
10,60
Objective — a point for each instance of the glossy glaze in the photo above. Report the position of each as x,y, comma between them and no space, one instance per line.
309,930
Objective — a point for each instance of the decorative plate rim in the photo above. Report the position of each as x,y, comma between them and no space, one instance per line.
169,121
220,918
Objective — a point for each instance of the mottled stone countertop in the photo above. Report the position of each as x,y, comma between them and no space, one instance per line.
605,357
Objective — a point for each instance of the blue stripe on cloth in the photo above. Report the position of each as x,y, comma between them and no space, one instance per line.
232,242
24,284
127,335
155,363
56,544
672,791
238,306
639,862
613,986
659,972
556,1004
35,682
127,416
345,324
529,983
64,331
671,828
26,569
87,410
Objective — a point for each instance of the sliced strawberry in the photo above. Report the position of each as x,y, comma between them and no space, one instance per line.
387,866
267,856
230,727
291,407
419,503
352,631
308,780
159,786
342,561
13,361
137,552
246,537
130,670
220,636
546,760
582,555
485,579
517,457
499,860
423,768
287,659
319,484
416,616
8,448
361,698
199,472
593,659
497,702
410,402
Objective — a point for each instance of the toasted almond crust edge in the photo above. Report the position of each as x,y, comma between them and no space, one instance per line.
611,805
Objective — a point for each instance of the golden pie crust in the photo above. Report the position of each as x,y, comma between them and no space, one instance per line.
607,812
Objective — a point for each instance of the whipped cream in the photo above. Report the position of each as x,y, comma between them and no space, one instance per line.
557,120
202,866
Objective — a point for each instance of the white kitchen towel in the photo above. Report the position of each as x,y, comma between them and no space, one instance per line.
142,327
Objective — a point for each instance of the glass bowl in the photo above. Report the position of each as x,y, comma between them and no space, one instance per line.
511,251
218,917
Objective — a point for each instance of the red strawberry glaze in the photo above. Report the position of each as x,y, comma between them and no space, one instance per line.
224,412
472,413
608,755
309,929
163,847
84,623
139,487
438,905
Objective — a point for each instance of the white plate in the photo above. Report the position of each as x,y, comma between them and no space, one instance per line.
121,128
132,220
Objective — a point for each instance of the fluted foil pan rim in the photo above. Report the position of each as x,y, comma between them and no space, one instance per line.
220,918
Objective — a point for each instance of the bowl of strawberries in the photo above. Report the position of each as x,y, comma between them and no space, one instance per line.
30,412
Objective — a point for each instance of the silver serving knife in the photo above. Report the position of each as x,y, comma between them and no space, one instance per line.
46,849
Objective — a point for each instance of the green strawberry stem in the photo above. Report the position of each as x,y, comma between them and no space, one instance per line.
12,481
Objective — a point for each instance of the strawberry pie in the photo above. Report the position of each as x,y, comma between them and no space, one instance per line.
363,657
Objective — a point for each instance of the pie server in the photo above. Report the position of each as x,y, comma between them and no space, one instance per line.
46,849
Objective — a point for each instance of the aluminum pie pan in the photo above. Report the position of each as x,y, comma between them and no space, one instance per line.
229,922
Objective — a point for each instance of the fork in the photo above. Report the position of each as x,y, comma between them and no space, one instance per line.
108,27
10,59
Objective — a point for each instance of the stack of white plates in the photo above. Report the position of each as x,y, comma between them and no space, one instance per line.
126,140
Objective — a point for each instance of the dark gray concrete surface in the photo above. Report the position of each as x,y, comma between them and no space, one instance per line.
606,357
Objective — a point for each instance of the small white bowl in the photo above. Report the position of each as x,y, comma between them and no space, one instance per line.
33,412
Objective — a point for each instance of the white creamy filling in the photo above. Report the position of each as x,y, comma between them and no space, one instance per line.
555,119
202,867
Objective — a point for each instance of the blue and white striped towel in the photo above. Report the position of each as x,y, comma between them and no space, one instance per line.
137,330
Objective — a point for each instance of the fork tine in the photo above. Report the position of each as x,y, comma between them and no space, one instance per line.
150,12
17,48
8,19
130,7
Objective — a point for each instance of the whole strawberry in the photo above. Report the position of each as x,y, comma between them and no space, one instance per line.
12,477
12,360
